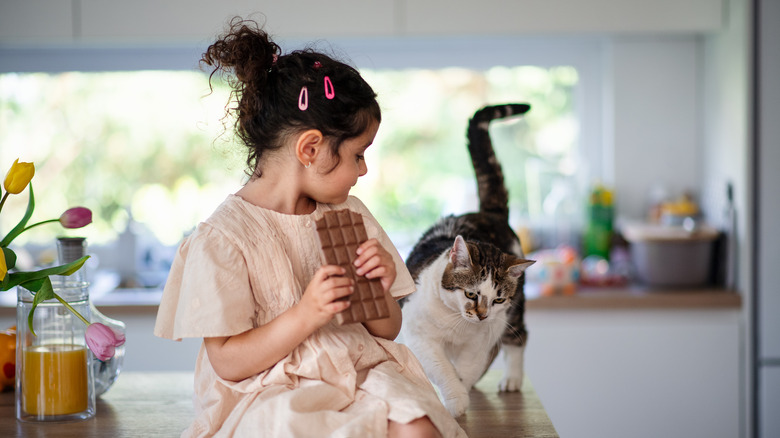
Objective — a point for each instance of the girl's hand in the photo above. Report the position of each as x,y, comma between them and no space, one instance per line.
320,301
263,346
374,261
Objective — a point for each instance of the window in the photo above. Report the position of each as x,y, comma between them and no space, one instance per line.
419,168
151,146
143,144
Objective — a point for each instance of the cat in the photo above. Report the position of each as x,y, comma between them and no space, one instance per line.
468,270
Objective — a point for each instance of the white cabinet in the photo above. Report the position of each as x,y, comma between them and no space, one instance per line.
637,373
198,21
201,20
562,16
36,20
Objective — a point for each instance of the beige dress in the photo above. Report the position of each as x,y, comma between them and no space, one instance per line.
242,268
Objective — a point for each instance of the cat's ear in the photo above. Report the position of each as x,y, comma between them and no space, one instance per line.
518,266
459,254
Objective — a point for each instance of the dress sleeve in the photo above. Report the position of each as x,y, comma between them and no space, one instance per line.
207,290
404,284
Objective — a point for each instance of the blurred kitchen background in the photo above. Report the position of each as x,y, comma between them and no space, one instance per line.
643,114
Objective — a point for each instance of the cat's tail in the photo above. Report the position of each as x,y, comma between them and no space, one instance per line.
493,196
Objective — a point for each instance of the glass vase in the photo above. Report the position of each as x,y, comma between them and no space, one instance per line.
54,376
105,372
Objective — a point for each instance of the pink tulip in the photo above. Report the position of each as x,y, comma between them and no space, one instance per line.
102,340
76,217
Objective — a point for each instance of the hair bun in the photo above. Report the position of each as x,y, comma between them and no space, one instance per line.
246,49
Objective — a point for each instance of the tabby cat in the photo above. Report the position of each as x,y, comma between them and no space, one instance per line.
469,275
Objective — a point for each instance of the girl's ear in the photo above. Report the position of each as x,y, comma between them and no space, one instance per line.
308,146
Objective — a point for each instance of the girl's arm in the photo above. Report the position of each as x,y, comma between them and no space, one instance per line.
374,261
238,357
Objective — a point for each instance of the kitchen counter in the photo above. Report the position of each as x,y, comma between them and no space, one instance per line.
617,297
630,308
637,297
147,405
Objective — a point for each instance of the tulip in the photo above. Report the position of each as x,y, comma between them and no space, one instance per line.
102,340
76,217
18,177
3,266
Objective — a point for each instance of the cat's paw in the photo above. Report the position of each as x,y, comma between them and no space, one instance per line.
510,384
457,402
513,373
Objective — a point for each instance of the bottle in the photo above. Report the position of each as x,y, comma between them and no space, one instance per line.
105,373
598,233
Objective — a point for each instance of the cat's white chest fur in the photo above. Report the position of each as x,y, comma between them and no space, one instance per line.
453,347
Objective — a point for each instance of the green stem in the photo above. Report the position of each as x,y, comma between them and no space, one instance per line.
75,312
2,203
39,223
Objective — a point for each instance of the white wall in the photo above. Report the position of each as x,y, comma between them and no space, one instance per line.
725,124
726,157
652,118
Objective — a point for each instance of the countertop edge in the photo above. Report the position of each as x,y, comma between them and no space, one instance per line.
638,297
594,298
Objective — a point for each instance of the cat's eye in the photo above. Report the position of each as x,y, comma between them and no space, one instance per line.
471,295
499,300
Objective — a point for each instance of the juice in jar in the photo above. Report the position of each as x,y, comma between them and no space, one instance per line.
54,379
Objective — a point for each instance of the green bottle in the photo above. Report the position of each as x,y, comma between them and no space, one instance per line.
598,234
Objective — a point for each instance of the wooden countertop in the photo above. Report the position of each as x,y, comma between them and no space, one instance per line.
147,405
637,297
493,414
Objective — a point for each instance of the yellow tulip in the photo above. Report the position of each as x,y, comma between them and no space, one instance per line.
19,175
3,266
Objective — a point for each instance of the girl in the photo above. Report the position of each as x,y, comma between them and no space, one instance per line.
249,281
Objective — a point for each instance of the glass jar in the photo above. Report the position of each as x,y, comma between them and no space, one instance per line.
54,376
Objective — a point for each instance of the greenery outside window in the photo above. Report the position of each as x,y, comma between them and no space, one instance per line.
149,152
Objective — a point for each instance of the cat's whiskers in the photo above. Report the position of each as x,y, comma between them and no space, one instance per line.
509,327
456,323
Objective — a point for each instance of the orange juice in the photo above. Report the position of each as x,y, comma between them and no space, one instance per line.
54,379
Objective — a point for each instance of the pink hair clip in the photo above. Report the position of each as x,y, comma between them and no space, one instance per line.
330,93
317,64
303,99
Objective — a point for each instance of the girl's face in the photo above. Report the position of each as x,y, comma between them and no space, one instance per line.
335,185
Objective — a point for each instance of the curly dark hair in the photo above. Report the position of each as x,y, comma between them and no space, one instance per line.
266,87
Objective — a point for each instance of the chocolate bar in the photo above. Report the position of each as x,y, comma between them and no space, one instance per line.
341,232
